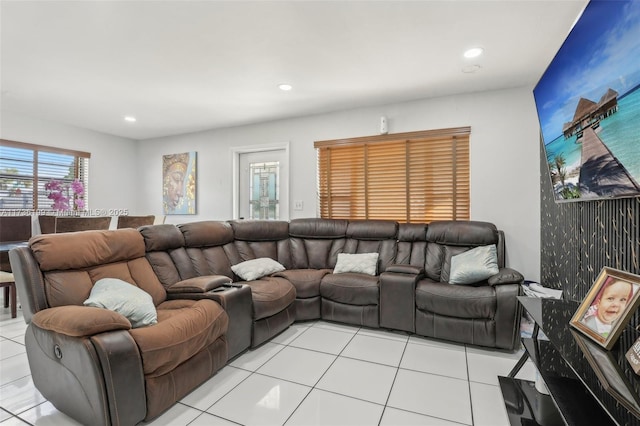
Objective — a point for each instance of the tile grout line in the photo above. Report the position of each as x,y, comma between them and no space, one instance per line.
466,359
386,403
323,374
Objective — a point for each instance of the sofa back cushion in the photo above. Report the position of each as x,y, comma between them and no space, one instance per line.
71,263
373,236
315,243
412,244
206,243
260,238
165,251
449,238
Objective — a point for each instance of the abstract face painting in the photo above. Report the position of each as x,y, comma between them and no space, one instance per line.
179,183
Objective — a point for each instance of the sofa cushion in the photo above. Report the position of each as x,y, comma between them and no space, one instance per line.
318,228
315,253
372,229
184,328
456,301
260,230
253,269
462,233
271,295
350,288
85,249
206,233
362,263
306,281
474,265
126,299
162,237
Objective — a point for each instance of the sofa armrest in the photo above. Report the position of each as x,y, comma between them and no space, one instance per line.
198,284
102,374
506,276
80,321
405,269
508,315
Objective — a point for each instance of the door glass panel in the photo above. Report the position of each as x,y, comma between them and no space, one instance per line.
264,198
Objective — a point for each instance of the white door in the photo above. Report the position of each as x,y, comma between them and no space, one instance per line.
263,185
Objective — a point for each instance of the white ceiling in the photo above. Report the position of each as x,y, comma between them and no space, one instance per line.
184,66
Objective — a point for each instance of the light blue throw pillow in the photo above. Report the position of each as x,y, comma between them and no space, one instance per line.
124,298
473,266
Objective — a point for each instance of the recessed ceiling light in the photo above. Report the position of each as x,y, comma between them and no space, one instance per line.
474,52
130,119
285,87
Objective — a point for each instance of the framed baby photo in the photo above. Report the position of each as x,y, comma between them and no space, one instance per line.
608,307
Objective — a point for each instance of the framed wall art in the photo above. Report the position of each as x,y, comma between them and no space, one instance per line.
179,183
588,105
608,307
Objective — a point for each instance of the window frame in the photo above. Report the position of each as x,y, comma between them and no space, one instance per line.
80,171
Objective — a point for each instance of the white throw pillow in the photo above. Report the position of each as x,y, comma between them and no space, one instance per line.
253,269
474,265
363,263
124,298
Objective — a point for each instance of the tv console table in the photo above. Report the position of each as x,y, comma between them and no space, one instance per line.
576,395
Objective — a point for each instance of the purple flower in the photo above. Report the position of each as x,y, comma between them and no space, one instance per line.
65,196
53,185
77,187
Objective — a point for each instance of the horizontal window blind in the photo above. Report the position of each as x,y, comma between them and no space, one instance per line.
408,177
24,167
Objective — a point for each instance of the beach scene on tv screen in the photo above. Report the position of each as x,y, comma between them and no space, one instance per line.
588,103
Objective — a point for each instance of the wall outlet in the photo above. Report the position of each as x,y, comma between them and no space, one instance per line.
298,205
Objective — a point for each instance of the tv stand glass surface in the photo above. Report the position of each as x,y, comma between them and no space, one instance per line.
576,394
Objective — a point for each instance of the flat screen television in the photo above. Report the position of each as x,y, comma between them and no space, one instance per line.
588,104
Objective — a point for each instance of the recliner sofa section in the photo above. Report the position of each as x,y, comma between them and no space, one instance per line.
485,313
314,245
274,309
351,297
197,257
89,362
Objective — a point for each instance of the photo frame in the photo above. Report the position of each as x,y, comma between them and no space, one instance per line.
608,307
610,374
179,183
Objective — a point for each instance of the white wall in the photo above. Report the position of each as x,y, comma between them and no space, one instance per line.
113,167
505,185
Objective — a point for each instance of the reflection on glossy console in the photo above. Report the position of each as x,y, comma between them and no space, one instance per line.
525,405
553,317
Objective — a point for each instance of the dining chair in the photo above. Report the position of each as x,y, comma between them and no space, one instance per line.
135,221
73,224
13,229
9,283
47,224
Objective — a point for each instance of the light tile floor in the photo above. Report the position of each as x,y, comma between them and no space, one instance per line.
314,373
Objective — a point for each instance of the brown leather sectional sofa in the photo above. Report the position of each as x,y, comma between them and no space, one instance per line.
93,366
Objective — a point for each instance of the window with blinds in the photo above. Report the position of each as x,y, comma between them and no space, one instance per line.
407,177
24,167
